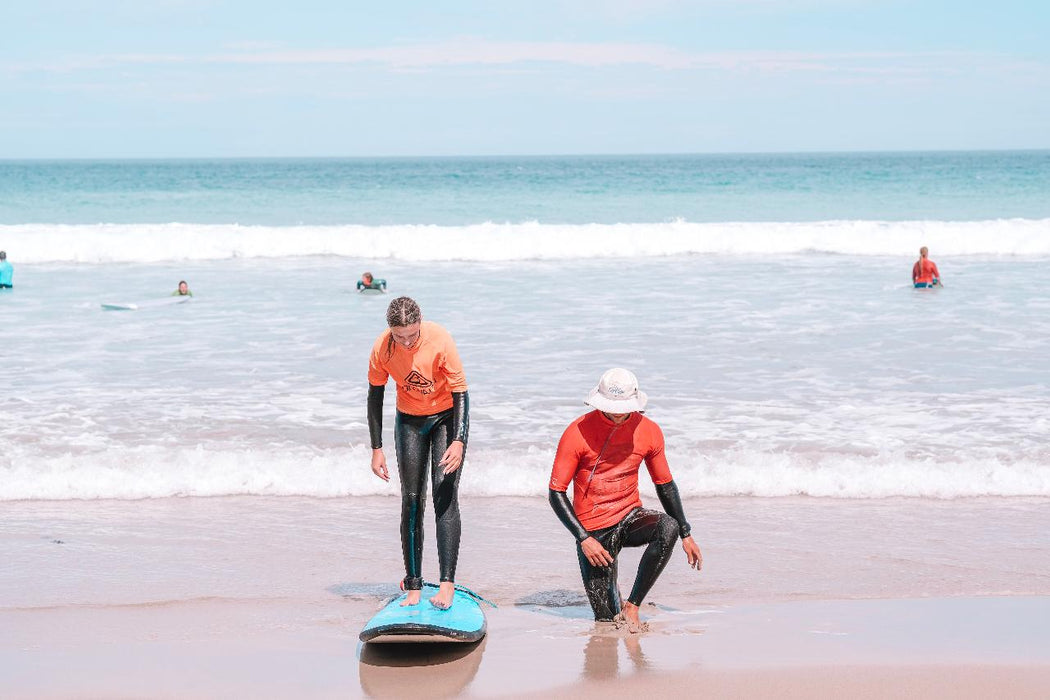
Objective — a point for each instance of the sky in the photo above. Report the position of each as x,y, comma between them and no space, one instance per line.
310,78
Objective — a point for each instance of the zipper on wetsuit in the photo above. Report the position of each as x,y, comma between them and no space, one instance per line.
600,453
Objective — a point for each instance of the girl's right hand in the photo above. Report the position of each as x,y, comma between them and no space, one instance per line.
379,465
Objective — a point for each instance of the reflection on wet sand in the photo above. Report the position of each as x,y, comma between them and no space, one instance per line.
601,655
435,670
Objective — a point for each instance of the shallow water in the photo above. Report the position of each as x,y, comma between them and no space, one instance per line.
770,375
763,301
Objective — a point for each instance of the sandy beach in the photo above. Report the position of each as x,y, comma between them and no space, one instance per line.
265,597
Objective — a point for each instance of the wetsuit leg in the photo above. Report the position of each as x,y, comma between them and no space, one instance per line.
657,530
446,497
420,441
412,445
600,581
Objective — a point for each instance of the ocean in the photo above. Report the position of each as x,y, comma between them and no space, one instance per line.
764,301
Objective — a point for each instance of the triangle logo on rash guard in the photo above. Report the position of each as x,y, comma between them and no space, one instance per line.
417,380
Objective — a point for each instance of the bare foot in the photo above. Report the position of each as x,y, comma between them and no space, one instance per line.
628,618
411,598
442,600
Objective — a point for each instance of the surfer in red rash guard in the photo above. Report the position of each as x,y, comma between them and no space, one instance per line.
600,454
924,272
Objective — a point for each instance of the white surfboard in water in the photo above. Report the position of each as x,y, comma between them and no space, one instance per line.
147,304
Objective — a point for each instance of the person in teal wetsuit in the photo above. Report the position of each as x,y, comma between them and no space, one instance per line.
367,281
6,271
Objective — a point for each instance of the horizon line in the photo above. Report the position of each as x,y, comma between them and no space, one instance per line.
601,154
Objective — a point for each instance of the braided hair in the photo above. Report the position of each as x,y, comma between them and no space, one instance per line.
923,252
403,311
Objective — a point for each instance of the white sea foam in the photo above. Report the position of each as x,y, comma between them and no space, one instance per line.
154,472
148,243
824,375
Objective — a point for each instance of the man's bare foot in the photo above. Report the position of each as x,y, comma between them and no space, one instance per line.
628,618
411,598
442,600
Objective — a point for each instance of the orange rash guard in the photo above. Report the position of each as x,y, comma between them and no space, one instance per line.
924,270
613,490
427,374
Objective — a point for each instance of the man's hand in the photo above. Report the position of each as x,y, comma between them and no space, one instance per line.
596,554
453,457
379,464
692,553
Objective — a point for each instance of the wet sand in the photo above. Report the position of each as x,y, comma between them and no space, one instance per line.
966,647
264,597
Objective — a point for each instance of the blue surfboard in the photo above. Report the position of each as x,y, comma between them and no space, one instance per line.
463,622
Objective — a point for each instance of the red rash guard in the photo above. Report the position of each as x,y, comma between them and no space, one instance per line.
925,270
615,452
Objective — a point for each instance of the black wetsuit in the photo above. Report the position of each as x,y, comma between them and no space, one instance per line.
655,530
421,441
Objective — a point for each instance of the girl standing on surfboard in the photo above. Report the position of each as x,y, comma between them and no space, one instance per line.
430,428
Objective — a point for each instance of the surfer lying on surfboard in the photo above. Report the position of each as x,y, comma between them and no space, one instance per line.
600,454
183,290
430,428
367,281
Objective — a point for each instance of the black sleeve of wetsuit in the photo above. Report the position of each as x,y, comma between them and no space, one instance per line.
672,504
460,416
375,415
563,509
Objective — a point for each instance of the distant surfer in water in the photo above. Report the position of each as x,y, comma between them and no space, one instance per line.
600,454
183,290
430,429
924,272
367,281
7,272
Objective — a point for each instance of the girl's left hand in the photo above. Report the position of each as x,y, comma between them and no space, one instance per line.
453,457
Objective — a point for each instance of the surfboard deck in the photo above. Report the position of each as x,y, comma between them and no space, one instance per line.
463,622
146,304
371,292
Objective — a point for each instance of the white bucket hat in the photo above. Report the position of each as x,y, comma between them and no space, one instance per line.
617,392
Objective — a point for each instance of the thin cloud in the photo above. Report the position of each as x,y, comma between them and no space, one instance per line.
629,9
477,52
469,52
255,45
501,56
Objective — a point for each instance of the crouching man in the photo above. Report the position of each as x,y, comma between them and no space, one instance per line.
600,454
